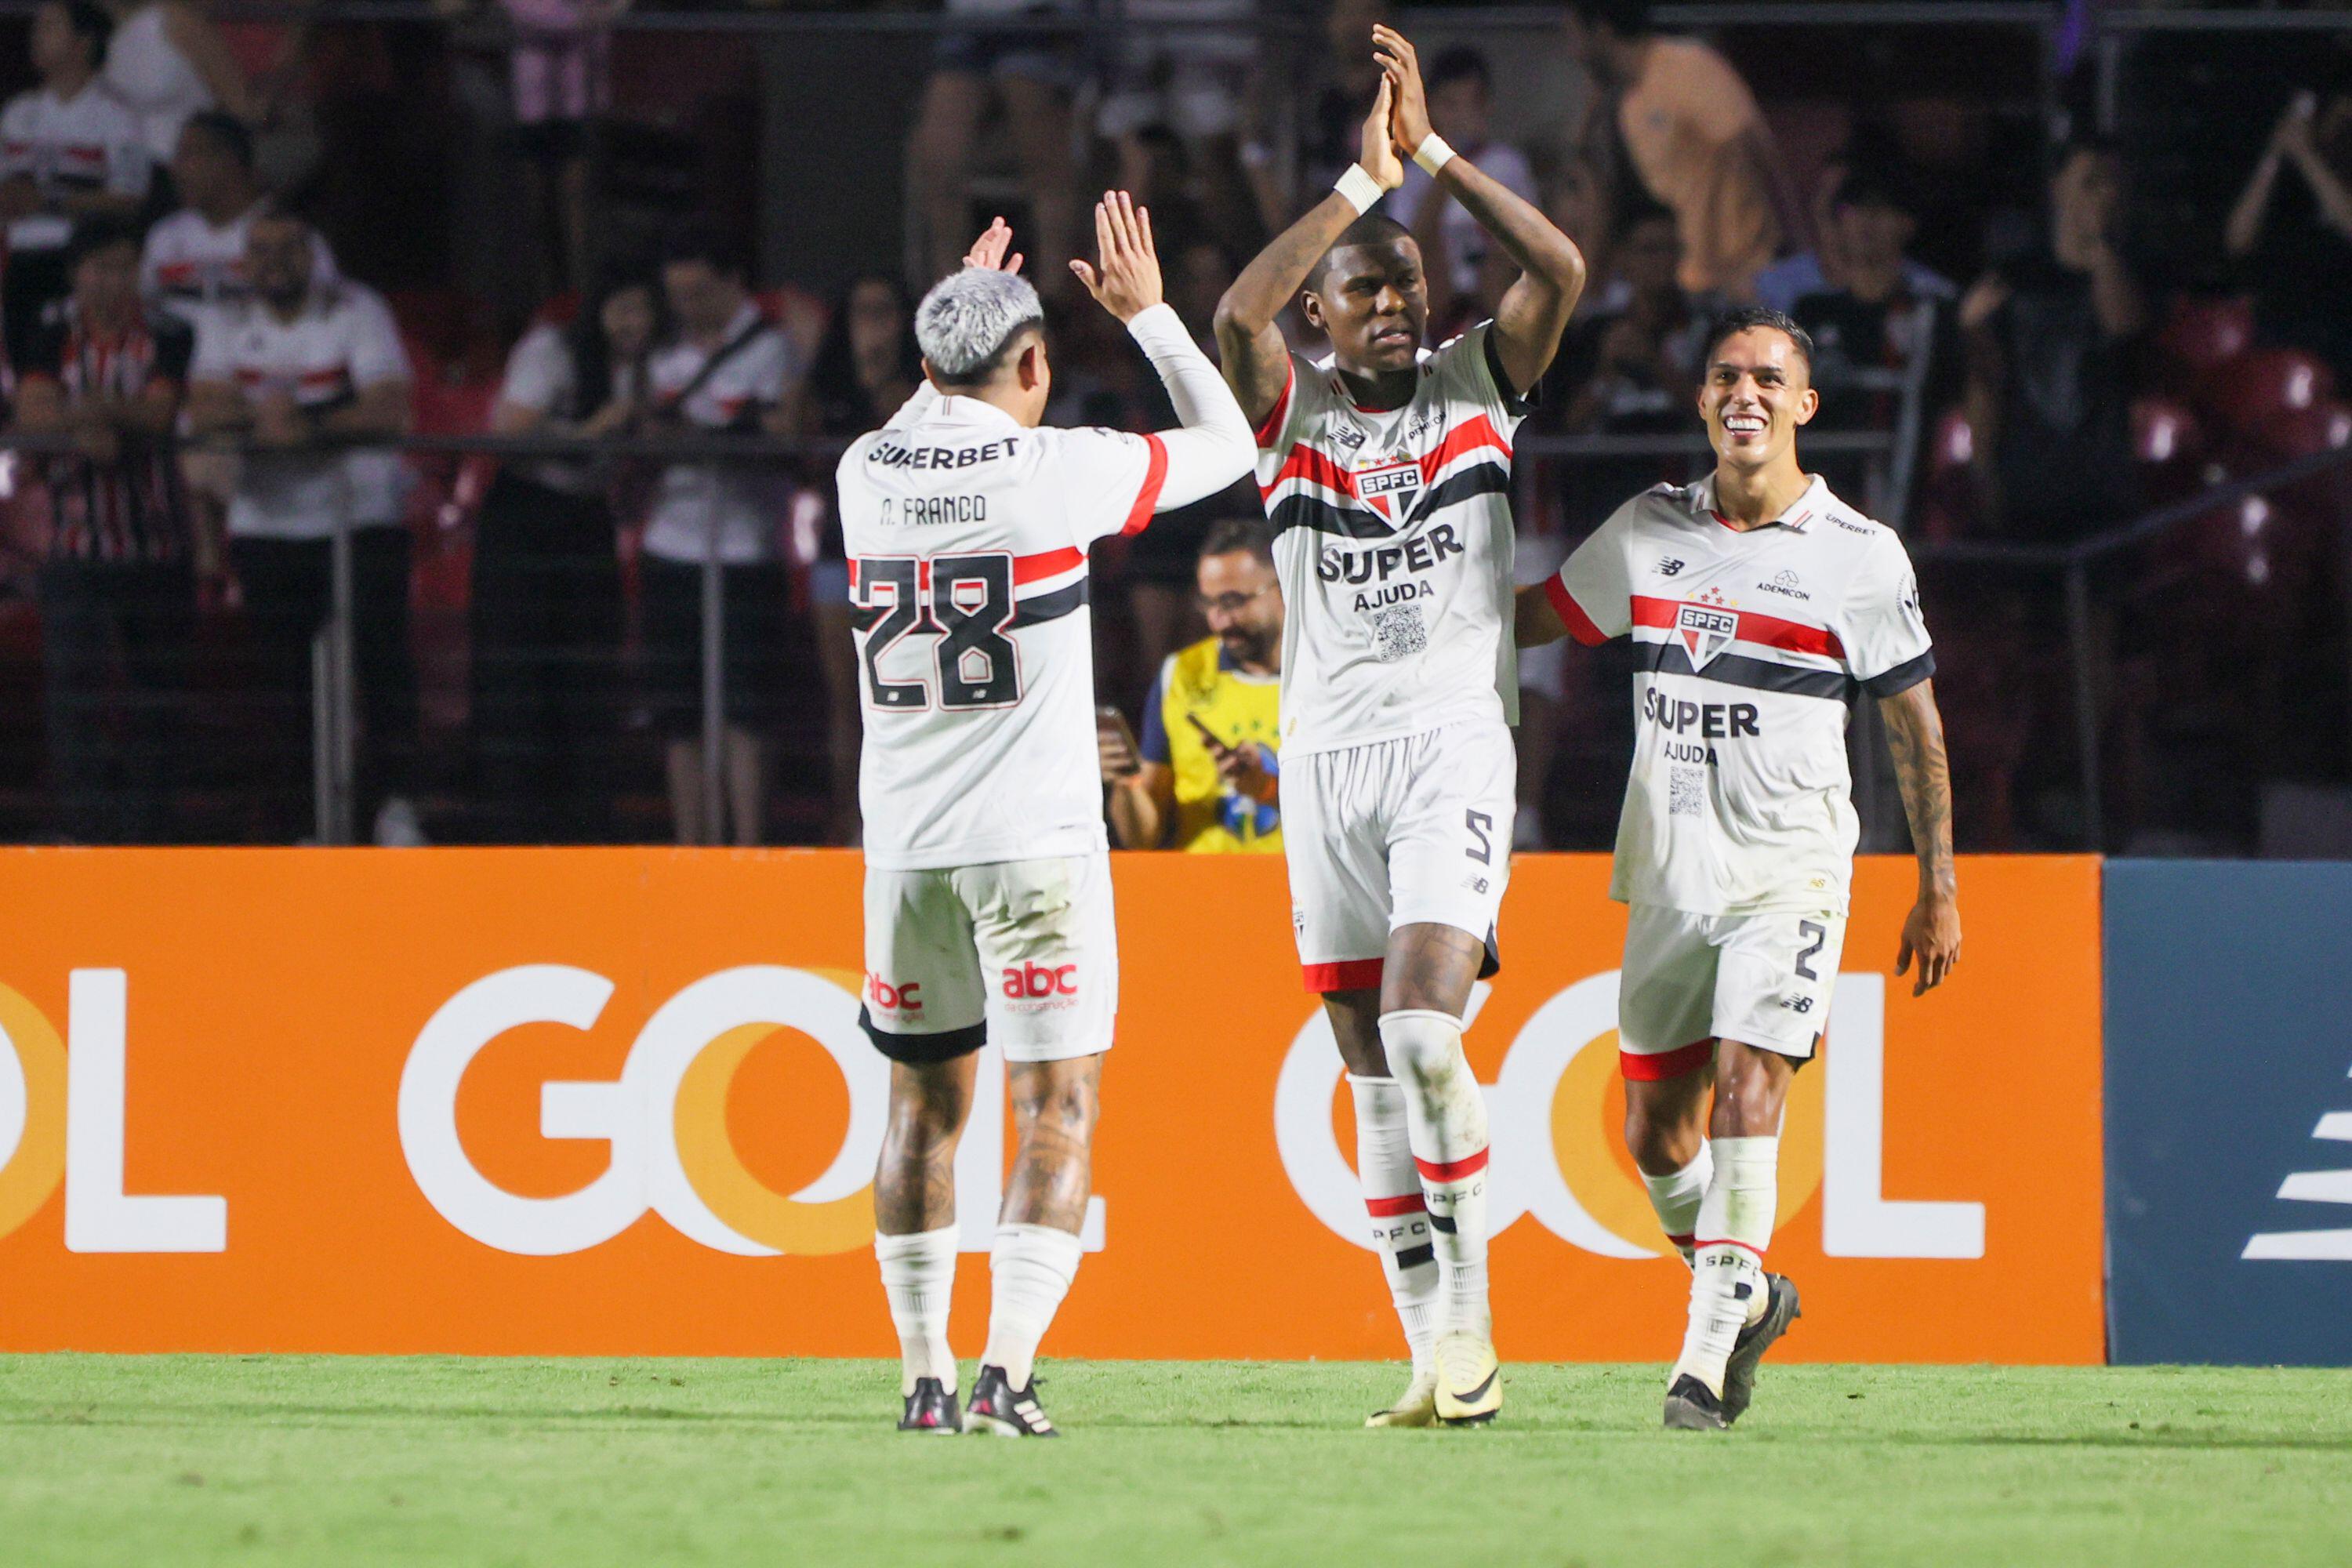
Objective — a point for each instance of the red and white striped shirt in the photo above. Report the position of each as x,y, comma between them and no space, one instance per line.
1393,539
130,509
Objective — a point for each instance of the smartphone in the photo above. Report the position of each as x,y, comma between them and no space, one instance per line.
1109,718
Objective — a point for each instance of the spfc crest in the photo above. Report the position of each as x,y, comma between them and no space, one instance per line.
1705,631
1391,489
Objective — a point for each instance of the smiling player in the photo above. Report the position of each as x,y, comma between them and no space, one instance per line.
1386,474
1758,604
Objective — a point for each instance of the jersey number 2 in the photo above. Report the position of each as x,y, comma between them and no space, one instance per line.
967,605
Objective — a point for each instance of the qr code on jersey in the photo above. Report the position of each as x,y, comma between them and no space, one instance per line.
1685,792
1397,632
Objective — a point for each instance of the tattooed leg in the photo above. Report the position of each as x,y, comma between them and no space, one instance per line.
914,1187
1054,1105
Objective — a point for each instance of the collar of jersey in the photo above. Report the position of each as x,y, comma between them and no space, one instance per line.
954,410
1799,516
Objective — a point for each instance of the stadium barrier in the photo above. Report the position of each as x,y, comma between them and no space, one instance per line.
616,1101
2229,1209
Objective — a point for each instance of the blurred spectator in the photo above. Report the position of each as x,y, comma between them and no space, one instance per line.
562,62
195,256
727,371
67,149
2293,237
547,577
1329,99
1878,311
1205,776
167,62
1869,218
1695,140
2048,339
1032,76
118,601
1190,80
865,367
1468,273
300,370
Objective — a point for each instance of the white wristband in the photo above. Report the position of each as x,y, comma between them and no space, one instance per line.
1362,190
1432,154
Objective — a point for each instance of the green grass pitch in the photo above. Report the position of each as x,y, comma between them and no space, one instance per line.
158,1460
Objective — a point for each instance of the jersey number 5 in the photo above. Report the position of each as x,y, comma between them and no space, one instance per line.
964,600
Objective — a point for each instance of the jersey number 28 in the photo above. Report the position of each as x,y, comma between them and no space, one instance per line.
966,602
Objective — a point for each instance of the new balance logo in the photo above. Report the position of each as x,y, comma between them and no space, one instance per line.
1669,566
2311,1187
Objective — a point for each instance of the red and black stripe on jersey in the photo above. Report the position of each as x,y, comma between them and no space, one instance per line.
1315,489
132,509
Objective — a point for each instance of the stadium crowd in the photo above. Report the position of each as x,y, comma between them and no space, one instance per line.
215,293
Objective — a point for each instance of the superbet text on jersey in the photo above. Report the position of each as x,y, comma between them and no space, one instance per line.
1749,646
1392,538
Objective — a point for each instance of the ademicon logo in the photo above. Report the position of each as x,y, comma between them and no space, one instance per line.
664,1118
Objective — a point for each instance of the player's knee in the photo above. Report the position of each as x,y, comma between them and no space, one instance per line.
1055,1104
1424,1046
1660,1145
927,1108
1751,1085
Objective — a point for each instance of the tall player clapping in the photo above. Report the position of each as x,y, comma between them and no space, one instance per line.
1385,470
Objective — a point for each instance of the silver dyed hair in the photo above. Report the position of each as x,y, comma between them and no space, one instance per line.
969,317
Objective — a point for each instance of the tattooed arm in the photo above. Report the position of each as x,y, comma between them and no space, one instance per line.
1915,733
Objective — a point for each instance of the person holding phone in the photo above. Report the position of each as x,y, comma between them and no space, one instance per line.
1204,777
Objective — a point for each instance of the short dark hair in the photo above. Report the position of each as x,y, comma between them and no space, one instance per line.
1372,228
91,22
1748,316
705,240
1460,63
1869,187
1239,536
229,131
1626,18
102,231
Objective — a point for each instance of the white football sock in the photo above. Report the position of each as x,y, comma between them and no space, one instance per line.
1735,1225
1400,1214
1675,1195
919,1276
1030,1270
1446,1119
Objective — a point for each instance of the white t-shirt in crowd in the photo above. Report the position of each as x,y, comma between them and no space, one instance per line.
147,71
543,374
744,501
190,263
344,340
89,141
1748,645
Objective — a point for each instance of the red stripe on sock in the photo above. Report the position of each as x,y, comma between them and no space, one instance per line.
1682,1241
1453,1170
1388,1208
1754,1252
1651,1067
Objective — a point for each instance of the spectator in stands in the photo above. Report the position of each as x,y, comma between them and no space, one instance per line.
726,371
167,62
562,69
1032,76
1328,106
546,599
298,372
1696,141
865,367
68,150
1205,777
1878,311
118,601
2293,237
1466,273
1189,79
2048,339
195,258
1868,212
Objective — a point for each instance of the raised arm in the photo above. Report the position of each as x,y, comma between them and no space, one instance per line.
1915,733
1256,361
1214,446
1534,311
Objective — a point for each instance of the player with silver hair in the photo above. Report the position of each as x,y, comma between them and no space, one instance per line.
987,897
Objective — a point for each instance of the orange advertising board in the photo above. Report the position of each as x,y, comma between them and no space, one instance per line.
615,1101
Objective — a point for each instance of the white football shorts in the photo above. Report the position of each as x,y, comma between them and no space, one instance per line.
1023,952
1690,980
1396,833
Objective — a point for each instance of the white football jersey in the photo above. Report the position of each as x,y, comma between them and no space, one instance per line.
1750,646
191,264
68,146
967,537
1393,538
